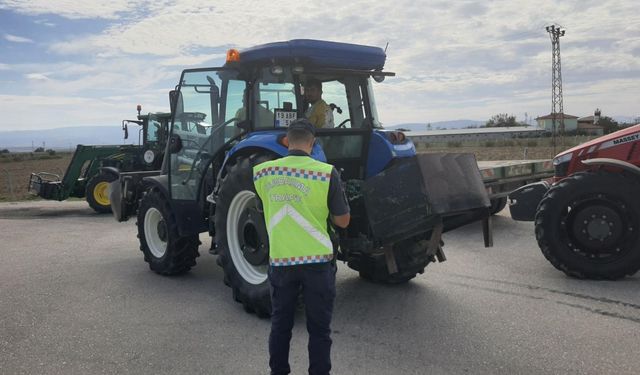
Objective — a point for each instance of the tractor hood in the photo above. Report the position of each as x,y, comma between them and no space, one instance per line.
629,134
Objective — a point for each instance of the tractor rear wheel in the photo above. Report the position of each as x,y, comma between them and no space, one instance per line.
97,192
241,236
410,257
166,252
588,225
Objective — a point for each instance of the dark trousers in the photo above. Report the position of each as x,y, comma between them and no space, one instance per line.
317,282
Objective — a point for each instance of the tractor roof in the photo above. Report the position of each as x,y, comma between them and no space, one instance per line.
317,53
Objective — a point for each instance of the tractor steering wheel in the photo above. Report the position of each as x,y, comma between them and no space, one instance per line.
343,123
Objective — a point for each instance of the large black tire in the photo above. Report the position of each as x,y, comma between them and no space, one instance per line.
497,205
588,225
241,237
166,252
411,259
97,192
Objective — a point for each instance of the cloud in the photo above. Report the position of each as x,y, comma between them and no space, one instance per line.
471,9
184,61
17,39
70,8
37,77
44,22
65,111
4,66
453,60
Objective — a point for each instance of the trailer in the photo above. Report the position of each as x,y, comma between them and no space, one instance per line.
501,177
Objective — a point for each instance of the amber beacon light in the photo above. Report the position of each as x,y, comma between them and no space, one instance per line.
233,55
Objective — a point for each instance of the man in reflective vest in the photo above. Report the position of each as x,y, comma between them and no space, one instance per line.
299,195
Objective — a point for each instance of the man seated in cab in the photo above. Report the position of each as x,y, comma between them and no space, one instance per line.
319,112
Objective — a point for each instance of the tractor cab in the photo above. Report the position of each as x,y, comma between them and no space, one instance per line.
152,137
249,102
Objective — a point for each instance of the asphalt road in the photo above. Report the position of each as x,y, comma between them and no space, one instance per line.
77,298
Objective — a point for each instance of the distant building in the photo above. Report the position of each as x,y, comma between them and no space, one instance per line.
587,126
546,123
476,134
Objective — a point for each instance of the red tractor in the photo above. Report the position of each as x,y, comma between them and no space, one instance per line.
587,218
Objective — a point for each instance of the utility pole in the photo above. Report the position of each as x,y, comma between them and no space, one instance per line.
555,32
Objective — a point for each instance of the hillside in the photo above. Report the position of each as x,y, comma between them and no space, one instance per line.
64,138
454,124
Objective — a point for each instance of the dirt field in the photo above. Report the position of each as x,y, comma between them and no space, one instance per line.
14,175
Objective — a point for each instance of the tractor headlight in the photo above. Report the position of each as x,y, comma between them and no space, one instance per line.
561,164
396,137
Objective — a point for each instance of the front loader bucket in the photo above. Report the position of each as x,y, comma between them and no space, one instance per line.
415,194
46,185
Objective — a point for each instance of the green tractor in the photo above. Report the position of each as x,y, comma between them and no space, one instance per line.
94,167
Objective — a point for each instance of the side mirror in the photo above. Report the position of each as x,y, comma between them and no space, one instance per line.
175,144
175,101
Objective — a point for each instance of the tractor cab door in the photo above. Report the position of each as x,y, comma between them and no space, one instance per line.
345,140
205,120
156,131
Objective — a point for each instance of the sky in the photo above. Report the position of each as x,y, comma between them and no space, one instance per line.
79,63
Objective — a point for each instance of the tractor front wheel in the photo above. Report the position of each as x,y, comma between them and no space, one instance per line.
166,252
97,192
588,225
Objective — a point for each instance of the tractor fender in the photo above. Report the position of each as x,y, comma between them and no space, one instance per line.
261,142
612,163
113,171
187,213
244,151
382,151
161,182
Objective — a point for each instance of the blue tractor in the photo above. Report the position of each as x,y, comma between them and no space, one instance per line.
228,119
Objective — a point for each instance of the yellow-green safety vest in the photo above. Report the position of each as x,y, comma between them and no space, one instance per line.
294,192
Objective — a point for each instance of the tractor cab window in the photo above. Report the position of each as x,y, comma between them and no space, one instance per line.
344,98
334,94
345,143
155,130
235,108
271,99
204,121
375,122
152,131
